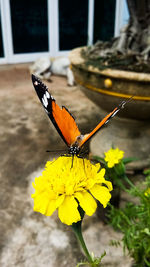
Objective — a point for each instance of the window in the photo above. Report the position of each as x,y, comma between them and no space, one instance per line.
104,19
73,24
29,20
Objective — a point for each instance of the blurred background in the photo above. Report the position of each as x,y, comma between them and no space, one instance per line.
29,30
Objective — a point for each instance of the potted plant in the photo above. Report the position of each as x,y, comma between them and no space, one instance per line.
110,72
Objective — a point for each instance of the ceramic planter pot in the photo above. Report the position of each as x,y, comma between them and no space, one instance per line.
130,130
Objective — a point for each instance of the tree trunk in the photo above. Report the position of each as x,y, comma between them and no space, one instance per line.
133,44
137,34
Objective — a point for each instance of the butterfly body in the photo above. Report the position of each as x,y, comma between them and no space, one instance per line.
63,120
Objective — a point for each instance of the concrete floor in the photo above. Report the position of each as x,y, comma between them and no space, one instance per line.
25,135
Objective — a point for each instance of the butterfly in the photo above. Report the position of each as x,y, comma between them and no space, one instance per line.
64,121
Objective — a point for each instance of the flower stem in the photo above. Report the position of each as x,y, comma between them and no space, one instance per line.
129,181
139,193
78,232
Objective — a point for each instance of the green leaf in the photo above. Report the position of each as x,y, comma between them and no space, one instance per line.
128,160
146,231
99,159
147,172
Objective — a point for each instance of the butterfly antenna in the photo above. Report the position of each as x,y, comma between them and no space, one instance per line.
55,151
123,103
119,107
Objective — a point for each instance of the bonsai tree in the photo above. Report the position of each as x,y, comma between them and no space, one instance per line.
136,36
131,50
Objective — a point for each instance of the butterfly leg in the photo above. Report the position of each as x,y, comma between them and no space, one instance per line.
72,161
84,165
69,155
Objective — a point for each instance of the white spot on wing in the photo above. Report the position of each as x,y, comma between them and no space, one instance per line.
35,83
44,100
47,94
45,97
115,113
106,121
44,104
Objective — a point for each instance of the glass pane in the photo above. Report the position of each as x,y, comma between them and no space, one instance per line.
104,19
29,25
73,23
1,40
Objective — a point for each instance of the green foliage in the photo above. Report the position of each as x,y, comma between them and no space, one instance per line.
134,222
96,262
115,174
134,219
129,159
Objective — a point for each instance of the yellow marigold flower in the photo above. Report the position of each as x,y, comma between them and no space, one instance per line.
113,156
64,187
147,192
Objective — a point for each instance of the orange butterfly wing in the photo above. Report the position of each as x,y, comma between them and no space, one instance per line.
66,123
61,118
87,137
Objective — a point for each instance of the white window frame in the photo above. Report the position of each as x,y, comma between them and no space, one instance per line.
10,57
53,31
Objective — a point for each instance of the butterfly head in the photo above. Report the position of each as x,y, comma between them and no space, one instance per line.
76,146
74,150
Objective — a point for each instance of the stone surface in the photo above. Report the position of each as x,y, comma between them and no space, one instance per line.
36,240
28,238
98,238
131,136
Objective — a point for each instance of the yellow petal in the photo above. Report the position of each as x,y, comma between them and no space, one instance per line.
110,164
42,203
68,211
87,202
101,193
109,185
51,207
59,200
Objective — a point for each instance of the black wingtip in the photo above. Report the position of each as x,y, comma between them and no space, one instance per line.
38,84
123,103
35,79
